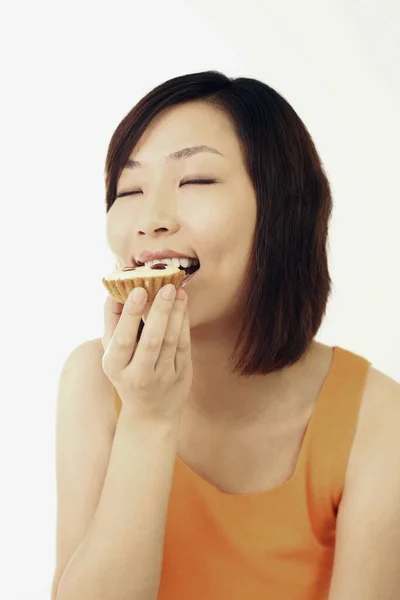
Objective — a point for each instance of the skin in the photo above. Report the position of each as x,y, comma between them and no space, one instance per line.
242,435
216,224
232,426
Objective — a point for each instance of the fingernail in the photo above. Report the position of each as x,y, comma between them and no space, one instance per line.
168,291
138,295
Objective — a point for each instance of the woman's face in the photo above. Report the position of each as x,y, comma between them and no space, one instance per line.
214,223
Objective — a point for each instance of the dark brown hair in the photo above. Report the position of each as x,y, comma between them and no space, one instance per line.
285,296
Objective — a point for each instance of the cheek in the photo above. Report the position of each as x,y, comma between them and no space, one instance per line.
224,245
225,237
233,244
116,223
221,224
109,229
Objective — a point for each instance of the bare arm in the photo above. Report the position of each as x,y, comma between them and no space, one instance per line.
120,558
85,427
120,555
367,555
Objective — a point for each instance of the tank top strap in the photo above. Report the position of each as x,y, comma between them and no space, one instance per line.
332,428
327,444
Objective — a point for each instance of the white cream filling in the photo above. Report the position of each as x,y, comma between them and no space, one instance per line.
142,272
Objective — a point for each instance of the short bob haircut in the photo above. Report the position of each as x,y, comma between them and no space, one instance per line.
285,296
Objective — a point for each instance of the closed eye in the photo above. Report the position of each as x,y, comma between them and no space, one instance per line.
189,181
200,181
122,194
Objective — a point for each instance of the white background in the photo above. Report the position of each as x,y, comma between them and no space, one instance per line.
70,72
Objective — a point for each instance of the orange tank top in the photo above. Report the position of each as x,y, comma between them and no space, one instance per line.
277,544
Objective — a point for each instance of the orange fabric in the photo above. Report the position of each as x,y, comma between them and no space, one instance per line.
278,544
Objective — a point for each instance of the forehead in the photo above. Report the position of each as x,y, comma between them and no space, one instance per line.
185,125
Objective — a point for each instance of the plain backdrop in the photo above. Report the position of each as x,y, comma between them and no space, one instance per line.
69,73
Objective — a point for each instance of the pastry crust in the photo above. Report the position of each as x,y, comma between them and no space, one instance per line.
122,281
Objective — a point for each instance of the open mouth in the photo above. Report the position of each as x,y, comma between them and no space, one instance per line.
189,273
189,265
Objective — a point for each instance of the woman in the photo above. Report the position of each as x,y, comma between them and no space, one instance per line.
227,454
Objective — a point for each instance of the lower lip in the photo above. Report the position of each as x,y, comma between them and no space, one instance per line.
188,278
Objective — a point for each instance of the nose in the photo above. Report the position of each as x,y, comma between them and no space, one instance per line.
158,216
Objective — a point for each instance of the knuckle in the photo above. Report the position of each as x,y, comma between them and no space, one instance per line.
133,309
170,341
180,304
140,383
183,347
163,307
124,340
150,344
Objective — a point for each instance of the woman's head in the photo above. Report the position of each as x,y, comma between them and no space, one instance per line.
259,229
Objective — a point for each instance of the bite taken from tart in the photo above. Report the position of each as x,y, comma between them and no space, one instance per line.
152,276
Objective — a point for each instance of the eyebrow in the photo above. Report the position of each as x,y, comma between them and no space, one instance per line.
178,155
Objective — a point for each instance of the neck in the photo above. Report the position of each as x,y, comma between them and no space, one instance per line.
220,396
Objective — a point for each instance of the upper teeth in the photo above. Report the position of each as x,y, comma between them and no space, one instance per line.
173,262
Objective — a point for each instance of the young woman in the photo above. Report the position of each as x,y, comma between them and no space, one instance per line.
207,446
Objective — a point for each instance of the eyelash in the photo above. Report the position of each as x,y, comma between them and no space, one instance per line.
192,181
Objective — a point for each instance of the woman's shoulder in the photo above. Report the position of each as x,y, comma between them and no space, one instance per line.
380,393
378,419
87,350
381,399
371,489
83,375
86,358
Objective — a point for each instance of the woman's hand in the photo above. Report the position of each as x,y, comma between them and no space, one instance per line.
153,378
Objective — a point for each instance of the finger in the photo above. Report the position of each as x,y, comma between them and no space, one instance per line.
112,313
153,333
174,326
123,341
183,348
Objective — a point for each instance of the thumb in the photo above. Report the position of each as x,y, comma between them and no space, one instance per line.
112,314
